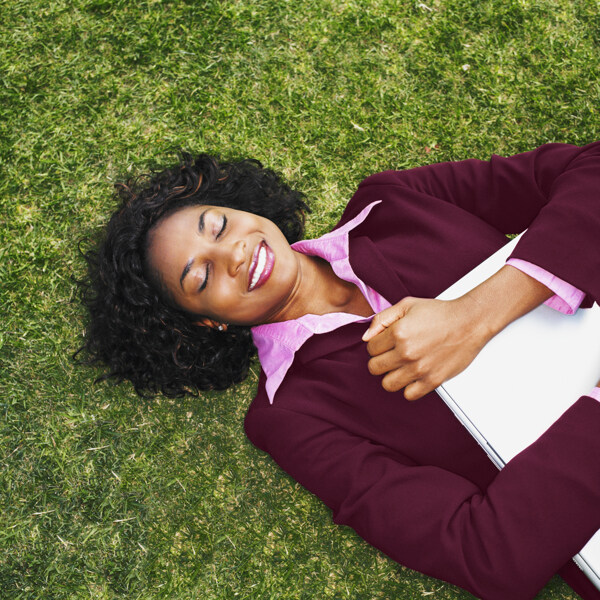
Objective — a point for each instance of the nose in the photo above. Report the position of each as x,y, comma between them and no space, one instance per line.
236,257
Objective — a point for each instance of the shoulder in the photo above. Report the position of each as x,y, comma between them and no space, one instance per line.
269,426
385,186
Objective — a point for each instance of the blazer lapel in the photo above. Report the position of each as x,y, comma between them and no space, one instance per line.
371,266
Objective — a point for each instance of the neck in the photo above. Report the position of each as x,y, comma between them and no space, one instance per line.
320,291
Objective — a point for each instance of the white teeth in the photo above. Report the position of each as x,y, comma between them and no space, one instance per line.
260,265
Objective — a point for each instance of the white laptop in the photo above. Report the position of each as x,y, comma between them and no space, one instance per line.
521,370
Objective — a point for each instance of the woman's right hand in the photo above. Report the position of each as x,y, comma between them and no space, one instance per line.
419,343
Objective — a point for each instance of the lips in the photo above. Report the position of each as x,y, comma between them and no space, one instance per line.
261,267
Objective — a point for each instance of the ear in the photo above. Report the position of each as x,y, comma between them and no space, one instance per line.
211,323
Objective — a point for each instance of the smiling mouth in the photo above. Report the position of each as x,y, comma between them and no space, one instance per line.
261,267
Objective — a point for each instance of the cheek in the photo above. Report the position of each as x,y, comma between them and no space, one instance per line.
223,298
285,271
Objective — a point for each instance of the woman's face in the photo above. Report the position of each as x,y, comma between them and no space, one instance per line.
225,264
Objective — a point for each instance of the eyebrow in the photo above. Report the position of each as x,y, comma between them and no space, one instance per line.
201,220
189,263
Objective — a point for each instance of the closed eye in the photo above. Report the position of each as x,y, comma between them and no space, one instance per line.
205,278
201,224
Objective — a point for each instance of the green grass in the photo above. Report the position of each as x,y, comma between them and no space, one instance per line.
103,495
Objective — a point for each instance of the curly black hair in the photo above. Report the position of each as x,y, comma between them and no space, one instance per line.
132,326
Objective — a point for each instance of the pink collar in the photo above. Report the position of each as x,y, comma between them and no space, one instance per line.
277,343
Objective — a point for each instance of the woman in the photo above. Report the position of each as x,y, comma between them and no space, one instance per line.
197,260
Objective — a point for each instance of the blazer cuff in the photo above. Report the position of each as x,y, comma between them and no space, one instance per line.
595,393
566,299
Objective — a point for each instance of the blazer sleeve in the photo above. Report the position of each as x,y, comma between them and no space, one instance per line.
553,191
497,544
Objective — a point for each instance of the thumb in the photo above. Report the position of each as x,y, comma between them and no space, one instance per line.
386,317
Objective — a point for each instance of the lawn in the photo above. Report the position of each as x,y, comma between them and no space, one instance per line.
106,495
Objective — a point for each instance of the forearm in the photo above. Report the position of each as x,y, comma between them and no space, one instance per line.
418,343
503,298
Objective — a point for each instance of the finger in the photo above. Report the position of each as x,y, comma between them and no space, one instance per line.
397,379
421,387
385,318
381,321
382,342
386,362
417,389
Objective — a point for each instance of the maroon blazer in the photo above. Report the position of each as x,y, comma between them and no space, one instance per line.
407,476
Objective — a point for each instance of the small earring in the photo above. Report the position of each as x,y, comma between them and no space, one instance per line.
222,327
